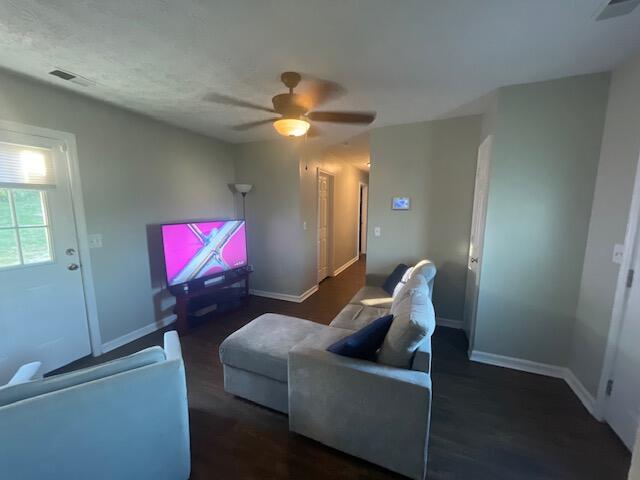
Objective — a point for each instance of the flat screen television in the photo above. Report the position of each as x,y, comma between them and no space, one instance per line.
198,250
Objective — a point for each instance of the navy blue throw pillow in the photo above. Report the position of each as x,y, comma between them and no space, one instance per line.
365,342
393,279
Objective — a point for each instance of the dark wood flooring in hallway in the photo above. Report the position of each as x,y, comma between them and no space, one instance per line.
487,422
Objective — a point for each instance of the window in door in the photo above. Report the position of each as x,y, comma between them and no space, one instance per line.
25,237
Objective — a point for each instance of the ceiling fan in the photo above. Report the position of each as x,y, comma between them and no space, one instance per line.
294,109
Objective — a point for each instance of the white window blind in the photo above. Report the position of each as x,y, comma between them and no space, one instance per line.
22,166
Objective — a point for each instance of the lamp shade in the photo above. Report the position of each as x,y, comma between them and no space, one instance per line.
291,127
243,187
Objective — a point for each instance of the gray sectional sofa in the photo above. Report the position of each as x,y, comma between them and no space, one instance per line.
377,412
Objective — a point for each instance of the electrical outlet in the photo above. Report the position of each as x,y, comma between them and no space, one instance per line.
376,231
618,253
304,225
95,240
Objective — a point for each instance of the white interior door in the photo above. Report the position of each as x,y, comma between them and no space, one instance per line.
622,410
323,226
474,262
42,308
364,209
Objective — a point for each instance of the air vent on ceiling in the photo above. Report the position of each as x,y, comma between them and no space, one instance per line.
74,78
617,8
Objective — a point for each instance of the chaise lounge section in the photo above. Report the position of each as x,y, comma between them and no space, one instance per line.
255,357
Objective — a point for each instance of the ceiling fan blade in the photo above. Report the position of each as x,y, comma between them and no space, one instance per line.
343,117
246,126
317,91
235,102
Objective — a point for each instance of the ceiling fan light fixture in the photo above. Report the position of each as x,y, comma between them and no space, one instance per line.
291,127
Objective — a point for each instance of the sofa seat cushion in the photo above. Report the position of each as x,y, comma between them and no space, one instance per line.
372,297
323,339
262,346
354,317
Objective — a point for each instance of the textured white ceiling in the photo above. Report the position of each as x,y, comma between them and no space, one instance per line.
409,60
356,151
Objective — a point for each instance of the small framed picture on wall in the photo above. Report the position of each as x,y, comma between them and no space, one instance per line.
400,203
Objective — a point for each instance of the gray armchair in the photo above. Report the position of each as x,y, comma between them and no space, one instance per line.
124,419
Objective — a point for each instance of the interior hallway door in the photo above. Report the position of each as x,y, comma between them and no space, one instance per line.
476,240
42,309
323,226
364,212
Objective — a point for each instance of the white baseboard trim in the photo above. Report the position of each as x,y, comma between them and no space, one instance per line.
447,322
581,392
546,369
345,266
136,334
517,364
285,296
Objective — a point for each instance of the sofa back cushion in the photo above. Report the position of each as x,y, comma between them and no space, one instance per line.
394,278
427,269
14,393
424,267
413,320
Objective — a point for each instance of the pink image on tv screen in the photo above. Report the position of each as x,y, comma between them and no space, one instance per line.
196,250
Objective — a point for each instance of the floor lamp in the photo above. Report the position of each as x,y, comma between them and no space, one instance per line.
243,189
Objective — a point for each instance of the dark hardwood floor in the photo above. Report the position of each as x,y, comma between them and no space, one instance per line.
487,422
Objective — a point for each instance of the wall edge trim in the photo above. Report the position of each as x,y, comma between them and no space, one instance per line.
341,269
520,364
136,334
450,323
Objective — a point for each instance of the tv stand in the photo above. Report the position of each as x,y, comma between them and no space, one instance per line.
214,291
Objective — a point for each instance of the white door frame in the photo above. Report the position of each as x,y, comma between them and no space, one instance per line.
69,140
360,185
617,314
329,222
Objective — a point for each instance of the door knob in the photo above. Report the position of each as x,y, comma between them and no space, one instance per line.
70,251
474,259
73,266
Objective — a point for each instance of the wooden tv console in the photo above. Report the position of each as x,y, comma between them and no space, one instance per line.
214,291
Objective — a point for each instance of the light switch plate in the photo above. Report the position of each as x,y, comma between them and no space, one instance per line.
95,240
376,231
618,253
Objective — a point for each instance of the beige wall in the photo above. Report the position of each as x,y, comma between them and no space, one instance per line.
543,170
399,166
136,173
283,200
274,229
611,202
434,163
